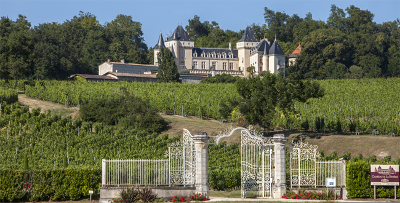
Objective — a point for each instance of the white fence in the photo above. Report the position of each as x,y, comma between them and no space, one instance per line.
305,170
135,172
330,169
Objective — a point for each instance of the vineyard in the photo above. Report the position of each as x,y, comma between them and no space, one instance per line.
34,140
349,106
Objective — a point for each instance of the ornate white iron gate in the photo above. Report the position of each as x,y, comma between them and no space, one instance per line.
182,159
256,162
305,170
256,165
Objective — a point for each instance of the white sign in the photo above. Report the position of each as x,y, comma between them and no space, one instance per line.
384,174
90,192
330,182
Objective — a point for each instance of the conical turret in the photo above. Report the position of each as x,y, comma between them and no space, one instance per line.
160,43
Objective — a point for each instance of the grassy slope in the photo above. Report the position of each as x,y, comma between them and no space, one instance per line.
367,145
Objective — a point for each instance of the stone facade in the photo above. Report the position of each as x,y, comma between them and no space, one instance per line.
122,67
248,52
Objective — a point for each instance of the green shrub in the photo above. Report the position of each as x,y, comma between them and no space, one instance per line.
358,183
127,112
43,185
129,195
8,95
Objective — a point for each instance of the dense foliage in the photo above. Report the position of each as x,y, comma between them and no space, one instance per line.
79,45
46,184
358,179
8,96
127,111
330,49
167,70
262,96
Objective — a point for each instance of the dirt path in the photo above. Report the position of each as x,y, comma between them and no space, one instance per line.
45,106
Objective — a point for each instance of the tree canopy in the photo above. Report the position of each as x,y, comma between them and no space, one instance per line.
349,44
78,45
167,70
262,95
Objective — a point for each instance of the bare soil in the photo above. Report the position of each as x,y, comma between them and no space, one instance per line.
367,145
46,105
212,127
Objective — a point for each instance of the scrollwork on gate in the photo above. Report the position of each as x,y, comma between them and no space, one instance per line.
182,160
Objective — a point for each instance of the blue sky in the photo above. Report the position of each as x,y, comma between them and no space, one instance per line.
164,16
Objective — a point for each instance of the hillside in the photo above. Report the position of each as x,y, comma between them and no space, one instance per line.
367,145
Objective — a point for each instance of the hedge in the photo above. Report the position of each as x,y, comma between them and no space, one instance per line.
43,185
8,95
358,183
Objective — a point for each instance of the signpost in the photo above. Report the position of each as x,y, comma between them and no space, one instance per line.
331,182
384,175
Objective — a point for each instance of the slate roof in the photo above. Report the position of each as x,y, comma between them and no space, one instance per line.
200,50
276,49
160,43
261,47
180,34
295,52
88,76
117,74
248,35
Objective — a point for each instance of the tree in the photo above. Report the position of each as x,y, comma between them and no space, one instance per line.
250,69
355,72
394,61
16,53
125,38
167,70
196,28
261,96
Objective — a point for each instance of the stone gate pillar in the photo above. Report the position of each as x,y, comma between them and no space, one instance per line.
201,146
279,187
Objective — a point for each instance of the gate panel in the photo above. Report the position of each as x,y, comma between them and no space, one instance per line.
302,164
305,170
182,161
256,166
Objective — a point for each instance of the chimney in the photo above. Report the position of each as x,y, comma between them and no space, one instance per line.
122,60
230,45
108,60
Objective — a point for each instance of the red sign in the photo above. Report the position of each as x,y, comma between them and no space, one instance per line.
384,174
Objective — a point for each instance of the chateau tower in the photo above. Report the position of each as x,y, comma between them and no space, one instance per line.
160,45
181,47
244,46
259,56
249,52
276,58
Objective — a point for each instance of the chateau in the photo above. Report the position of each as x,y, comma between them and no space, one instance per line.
249,52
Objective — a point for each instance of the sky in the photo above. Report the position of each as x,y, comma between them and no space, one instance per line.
165,15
